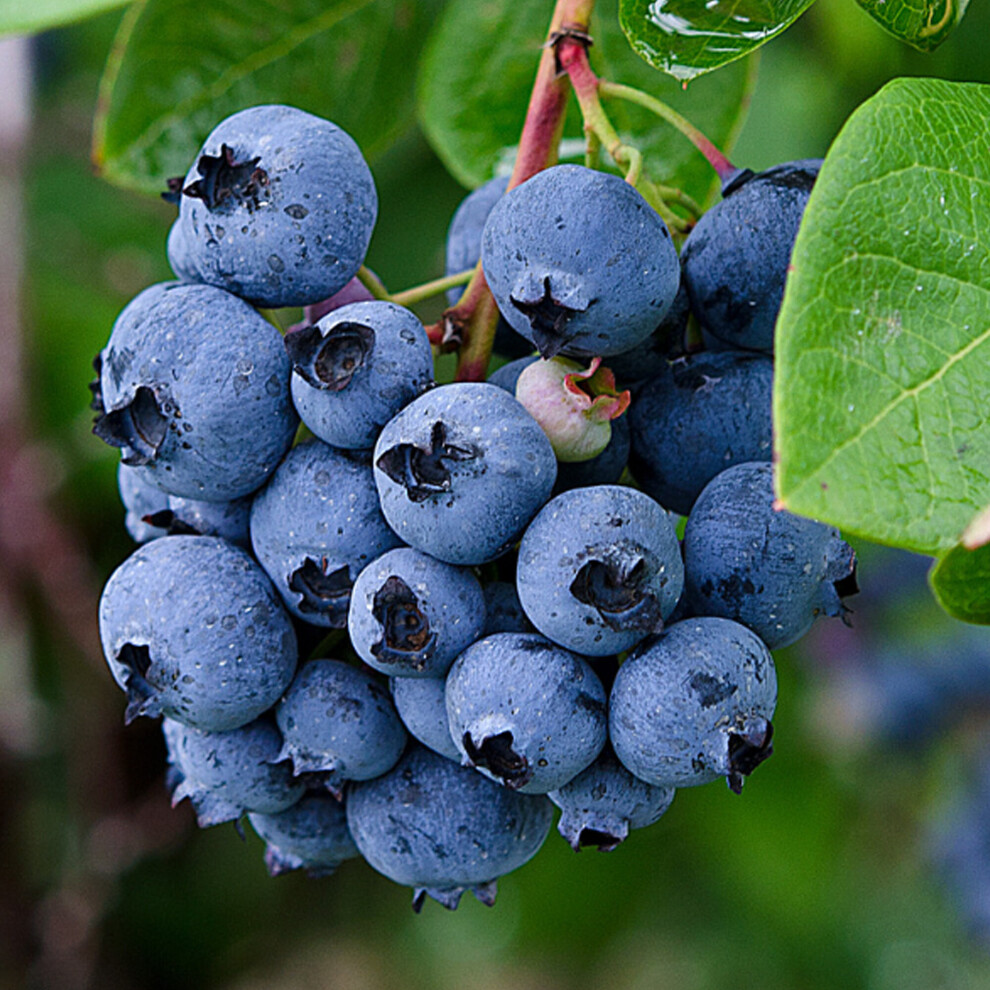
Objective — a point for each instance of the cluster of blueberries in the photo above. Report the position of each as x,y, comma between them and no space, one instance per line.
495,626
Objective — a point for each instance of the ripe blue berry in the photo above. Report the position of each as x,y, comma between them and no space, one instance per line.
443,829
525,712
462,470
193,629
194,390
700,415
356,368
602,803
694,705
278,208
312,835
599,569
315,526
579,263
338,722
422,705
735,260
225,774
411,614
772,571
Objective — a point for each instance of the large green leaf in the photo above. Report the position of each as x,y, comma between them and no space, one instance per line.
961,583
689,37
29,16
479,67
180,66
881,404
924,24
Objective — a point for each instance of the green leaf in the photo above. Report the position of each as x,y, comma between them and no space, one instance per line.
30,16
478,70
924,24
961,583
689,37
180,66
882,375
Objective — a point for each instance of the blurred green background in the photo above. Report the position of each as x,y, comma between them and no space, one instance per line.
819,876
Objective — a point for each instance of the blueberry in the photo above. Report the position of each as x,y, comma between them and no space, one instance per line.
338,723
194,389
503,610
772,571
700,415
192,629
422,705
599,569
312,835
694,705
602,803
278,208
356,368
665,343
461,471
141,499
464,251
315,526
411,614
525,712
225,774
442,829
735,260
507,375
579,263
229,520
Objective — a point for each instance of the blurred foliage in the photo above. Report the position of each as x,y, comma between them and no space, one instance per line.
815,878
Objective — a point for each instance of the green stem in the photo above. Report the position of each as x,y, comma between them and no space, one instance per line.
714,156
372,283
592,150
407,297
681,198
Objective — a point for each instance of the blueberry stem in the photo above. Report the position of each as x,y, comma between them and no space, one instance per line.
718,161
372,283
433,288
572,54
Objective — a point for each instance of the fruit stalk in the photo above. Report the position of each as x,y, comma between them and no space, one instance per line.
471,323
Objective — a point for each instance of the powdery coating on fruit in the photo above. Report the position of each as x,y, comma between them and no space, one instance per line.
599,569
665,343
140,498
193,629
579,263
301,232
356,369
697,417
411,615
228,520
195,388
679,700
315,526
503,610
463,251
462,470
339,722
735,260
772,571
601,804
312,835
225,774
441,828
525,712
422,705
